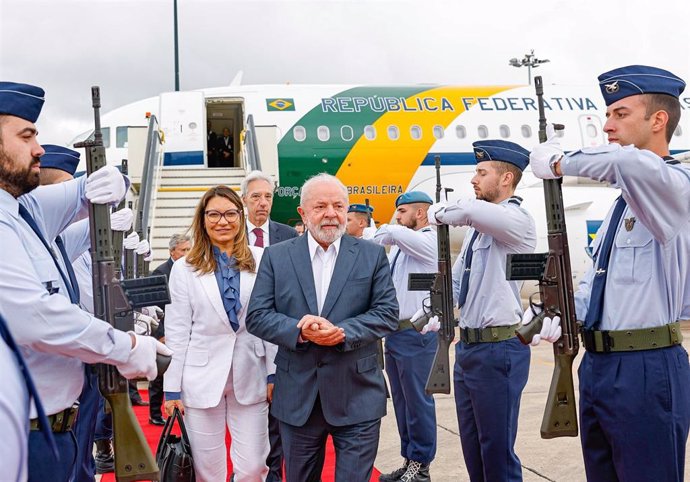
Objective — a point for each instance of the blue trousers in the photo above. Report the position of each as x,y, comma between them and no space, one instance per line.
42,465
635,414
409,356
489,379
104,422
84,430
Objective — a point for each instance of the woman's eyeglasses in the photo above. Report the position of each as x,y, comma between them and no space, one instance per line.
231,215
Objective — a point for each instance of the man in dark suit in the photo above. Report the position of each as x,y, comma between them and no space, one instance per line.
179,245
325,299
257,195
224,149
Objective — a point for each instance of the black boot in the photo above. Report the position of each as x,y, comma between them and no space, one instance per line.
395,475
105,460
416,472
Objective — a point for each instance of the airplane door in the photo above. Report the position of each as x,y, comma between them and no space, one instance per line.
182,119
591,131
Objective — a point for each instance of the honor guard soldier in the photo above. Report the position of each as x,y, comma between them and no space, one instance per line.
634,376
409,354
58,164
491,365
36,294
358,219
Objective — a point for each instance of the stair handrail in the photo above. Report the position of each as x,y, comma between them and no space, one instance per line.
150,177
251,146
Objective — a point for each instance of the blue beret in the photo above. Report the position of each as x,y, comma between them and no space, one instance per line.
413,197
58,157
360,208
638,79
21,100
497,150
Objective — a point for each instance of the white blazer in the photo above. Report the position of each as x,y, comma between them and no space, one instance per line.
205,347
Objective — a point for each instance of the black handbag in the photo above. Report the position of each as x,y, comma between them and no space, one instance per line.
174,454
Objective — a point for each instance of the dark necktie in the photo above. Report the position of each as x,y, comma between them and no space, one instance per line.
596,298
24,213
467,269
70,271
395,260
31,388
259,233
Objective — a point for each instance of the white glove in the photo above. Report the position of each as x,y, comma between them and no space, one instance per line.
368,233
121,220
144,324
372,223
154,312
550,328
131,241
106,186
142,247
435,210
142,358
432,325
543,155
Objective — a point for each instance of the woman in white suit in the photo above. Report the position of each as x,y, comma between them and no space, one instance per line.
220,373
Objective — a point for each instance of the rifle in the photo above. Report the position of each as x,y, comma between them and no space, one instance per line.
129,255
440,286
114,302
553,272
118,236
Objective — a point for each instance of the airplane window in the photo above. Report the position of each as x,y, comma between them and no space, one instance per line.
483,132
415,132
299,133
526,131
438,132
370,132
106,136
346,133
678,131
591,131
460,132
504,131
393,133
121,136
323,133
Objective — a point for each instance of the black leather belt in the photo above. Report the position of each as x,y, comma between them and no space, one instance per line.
59,422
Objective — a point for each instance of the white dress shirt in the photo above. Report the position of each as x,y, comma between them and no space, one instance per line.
322,264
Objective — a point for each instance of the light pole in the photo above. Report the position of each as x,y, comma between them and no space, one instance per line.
177,60
530,61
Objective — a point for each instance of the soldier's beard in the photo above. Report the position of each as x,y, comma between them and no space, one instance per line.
17,181
326,236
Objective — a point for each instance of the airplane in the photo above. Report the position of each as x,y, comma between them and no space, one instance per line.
380,140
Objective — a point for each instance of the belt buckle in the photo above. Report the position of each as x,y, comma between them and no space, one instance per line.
606,341
588,339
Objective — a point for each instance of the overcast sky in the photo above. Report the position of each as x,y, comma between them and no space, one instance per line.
126,47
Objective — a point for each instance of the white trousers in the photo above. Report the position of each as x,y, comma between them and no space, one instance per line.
248,425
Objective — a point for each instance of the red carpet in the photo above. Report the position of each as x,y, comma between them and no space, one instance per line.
153,433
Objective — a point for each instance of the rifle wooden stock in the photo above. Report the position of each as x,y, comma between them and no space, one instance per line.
133,458
553,272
